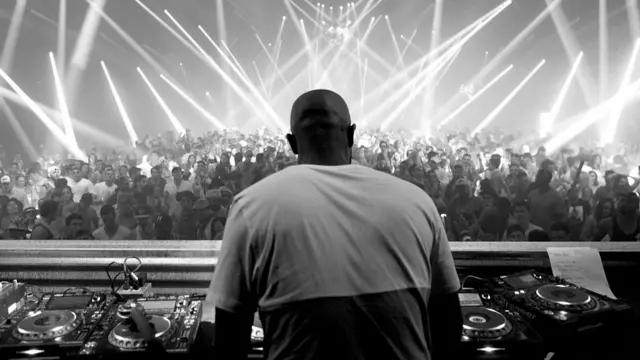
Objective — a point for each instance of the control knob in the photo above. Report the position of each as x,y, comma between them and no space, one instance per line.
124,310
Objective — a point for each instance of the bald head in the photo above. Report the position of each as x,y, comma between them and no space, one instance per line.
321,129
320,101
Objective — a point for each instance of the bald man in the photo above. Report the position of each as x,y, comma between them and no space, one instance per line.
340,260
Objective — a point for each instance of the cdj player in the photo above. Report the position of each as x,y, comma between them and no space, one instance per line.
175,320
490,331
558,310
56,326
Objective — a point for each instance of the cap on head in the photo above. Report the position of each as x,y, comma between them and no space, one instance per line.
5,180
322,100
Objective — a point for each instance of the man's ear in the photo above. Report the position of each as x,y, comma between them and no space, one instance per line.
351,133
293,143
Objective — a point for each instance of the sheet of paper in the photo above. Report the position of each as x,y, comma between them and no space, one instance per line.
581,266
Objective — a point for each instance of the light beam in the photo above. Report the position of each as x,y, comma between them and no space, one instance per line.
62,102
172,118
507,100
121,108
612,125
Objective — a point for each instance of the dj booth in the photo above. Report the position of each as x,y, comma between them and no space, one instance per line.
57,301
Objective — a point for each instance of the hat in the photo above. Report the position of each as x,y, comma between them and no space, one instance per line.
326,100
5,180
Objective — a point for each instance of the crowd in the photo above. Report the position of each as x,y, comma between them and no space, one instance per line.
180,187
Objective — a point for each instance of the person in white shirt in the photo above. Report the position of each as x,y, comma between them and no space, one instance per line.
79,185
7,189
104,190
356,262
178,184
522,217
145,166
111,229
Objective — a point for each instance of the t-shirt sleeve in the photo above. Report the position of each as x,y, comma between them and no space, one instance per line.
230,289
445,277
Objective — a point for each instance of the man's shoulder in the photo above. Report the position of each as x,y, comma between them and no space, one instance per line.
294,174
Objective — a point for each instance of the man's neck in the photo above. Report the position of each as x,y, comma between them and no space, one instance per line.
112,228
109,183
334,160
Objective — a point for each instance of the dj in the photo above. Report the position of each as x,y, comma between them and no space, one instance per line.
342,261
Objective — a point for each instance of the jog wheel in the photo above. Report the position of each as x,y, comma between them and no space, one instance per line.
47,325
485,323
563,297
126,336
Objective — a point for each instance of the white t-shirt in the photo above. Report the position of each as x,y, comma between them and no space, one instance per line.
122,234
103,191
319,231
359,247
80,188
172,189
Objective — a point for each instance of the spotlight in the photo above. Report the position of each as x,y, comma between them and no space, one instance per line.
284,18
386,17
207,93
